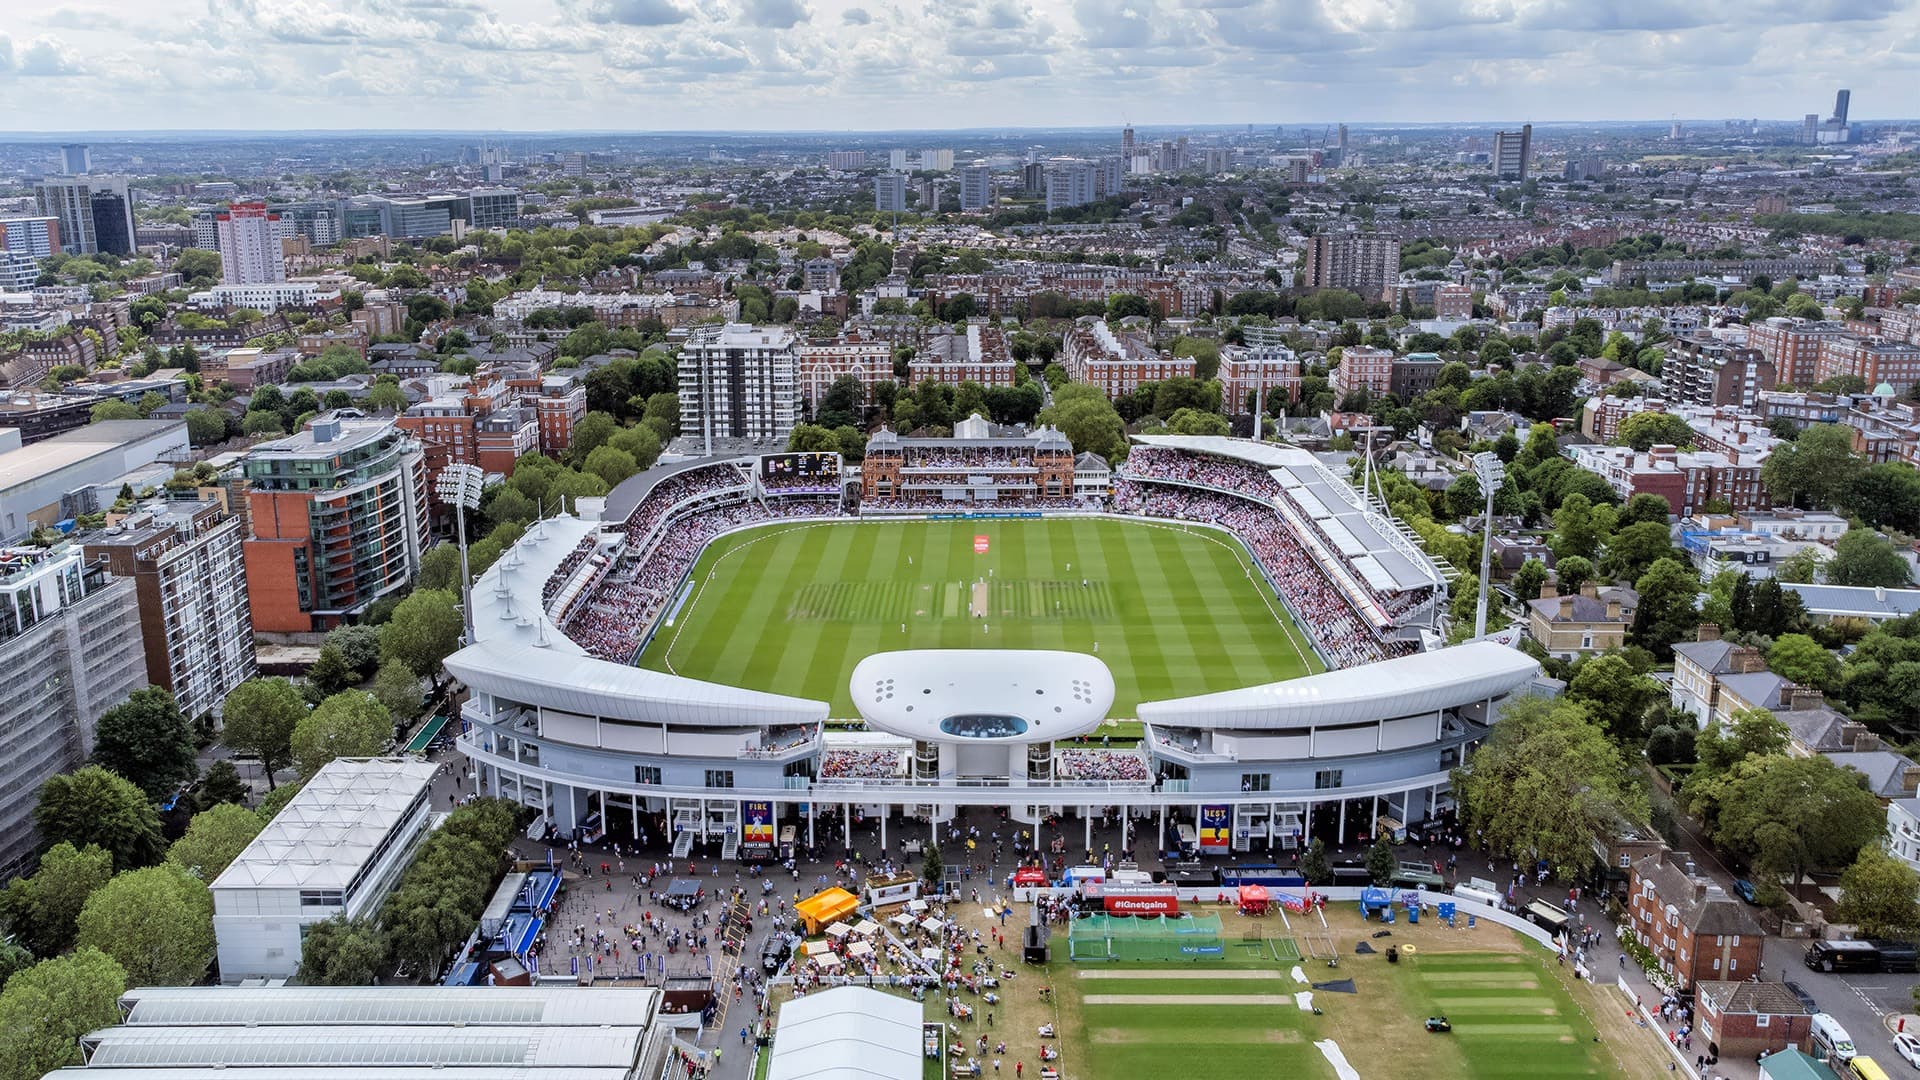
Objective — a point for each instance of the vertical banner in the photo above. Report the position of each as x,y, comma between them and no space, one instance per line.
1215,827
980,544
756,821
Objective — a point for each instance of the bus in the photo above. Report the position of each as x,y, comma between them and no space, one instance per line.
1843,956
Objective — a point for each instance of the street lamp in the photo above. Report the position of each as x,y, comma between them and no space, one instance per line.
460,485
1491,472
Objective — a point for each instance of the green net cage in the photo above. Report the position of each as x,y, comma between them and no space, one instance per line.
1094,938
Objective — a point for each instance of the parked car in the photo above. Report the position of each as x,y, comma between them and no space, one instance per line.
1805,998
1908,1046
1744,889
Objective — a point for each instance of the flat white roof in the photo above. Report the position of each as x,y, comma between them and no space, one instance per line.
848,1033
70,448
1383,690
331,829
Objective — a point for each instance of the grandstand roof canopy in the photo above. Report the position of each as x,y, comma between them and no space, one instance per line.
1402,686
983,695
626,496
1383,555
577,683
847,1033
507,602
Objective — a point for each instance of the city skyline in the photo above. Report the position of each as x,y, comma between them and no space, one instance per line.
852,65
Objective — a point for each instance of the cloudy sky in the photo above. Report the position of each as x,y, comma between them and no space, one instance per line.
875,64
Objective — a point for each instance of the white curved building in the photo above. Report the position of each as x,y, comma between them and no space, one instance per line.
595,744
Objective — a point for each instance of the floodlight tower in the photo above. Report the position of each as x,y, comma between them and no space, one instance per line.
460,485
1491,472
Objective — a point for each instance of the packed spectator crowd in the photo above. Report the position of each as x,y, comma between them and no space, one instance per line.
1254,482
1342,638
812,485
676,489
1160,463
566,568
923,504
862,764
615,621
948,458
1100,765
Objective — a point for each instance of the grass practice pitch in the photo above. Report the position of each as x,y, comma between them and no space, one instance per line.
792,608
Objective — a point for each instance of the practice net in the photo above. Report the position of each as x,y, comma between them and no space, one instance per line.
1153,937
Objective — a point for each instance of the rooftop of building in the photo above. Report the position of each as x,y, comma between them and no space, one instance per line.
49,456
1864,601
328,832
329,434
742,336
1704,908
1749,997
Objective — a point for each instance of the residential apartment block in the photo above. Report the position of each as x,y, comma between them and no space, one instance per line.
1365,263
190,581
1362,367
339,517
1687,479
1706,371
1245,369
817,365
69,651
739,382
1794,346
979,355
1117,362
249,245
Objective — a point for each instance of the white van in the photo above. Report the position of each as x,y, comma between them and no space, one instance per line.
1830,1039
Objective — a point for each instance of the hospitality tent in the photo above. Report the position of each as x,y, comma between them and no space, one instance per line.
847,1033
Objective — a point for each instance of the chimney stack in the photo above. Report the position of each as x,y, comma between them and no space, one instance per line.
1707,631
1566,607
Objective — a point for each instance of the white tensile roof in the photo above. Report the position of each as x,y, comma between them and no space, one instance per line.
1402,686
577,683
1057,695
253,1006
848,1033
1349,519
326,833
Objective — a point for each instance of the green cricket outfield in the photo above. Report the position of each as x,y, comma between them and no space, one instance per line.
791,608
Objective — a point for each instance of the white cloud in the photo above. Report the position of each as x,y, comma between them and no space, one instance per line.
556,64
775,14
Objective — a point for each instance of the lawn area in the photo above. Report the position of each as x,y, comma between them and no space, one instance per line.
792,608
1515,1013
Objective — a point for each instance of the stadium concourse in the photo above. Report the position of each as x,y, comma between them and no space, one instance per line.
560,720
